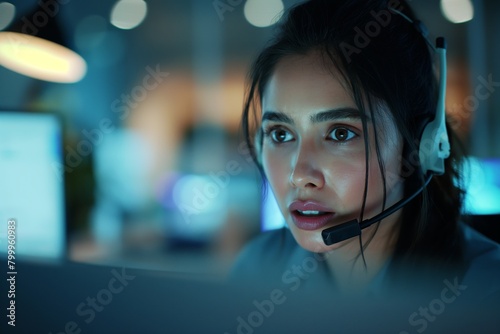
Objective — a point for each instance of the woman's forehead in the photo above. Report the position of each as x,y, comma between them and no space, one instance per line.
303,82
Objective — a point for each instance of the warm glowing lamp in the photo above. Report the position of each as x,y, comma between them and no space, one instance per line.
35,48
39,58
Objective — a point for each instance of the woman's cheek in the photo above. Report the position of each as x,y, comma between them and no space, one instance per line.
275,168
346,178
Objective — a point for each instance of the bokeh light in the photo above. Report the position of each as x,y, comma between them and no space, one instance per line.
40,59
457,11
7,13
128,14
263,13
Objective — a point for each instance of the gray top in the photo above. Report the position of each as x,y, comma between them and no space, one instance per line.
274,257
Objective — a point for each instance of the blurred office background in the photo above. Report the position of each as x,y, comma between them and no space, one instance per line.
135,156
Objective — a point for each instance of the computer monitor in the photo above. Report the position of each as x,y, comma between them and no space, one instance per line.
32,184
482,181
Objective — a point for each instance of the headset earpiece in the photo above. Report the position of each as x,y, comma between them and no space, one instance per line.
434,145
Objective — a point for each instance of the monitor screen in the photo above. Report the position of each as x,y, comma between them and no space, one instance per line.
482,181
32,184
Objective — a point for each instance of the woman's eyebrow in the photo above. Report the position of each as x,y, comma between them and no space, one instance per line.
336,114
322,116
276,117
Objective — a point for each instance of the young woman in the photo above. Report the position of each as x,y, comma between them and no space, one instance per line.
334,115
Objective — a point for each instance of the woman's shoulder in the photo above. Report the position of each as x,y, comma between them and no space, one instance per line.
275,241
479,249
269,252
482,258
270,246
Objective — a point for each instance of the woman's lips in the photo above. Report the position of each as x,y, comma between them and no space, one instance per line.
310,222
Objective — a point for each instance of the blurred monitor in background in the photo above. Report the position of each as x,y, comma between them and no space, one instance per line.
482,201
272,218
482,177
32,183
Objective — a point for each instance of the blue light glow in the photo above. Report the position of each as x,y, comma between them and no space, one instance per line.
482,177
31,183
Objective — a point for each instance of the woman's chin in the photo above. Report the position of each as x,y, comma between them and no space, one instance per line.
313,241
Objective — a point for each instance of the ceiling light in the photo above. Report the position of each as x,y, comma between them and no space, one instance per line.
34,46
7,13
263,13
39,58
457,11
128,14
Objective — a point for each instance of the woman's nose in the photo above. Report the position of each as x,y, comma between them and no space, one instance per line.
305,171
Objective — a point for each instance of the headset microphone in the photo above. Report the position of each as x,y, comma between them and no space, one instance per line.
434,148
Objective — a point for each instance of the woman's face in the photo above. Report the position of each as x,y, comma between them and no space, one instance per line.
313,152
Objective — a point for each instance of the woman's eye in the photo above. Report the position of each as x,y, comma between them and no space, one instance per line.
280,135
342,134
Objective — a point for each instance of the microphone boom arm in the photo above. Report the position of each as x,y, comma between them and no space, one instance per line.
353,228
